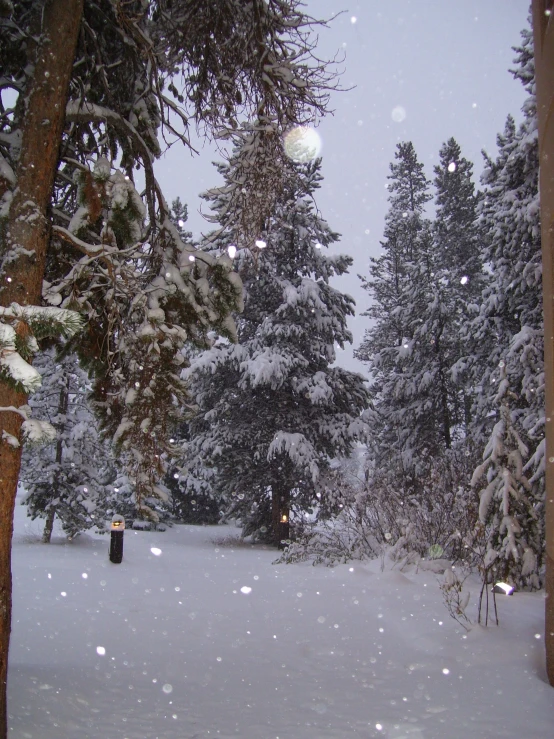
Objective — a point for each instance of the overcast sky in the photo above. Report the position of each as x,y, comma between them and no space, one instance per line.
443,62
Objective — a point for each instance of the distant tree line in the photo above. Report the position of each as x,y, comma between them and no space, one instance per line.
455,457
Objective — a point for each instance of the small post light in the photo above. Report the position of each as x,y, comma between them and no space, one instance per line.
503,588
116,544
284,529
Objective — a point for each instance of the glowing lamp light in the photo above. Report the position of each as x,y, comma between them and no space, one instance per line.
232,251
116,539
260,244
503,588
284,518
118,523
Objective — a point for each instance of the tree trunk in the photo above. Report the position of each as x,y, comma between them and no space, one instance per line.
26,242
543,31
49,525
62,410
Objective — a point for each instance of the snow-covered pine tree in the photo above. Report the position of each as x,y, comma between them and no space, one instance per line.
455,225
115,114
419,407
143,303
179,214
69,477
458,266
389,343
510,522
509,327
102,82
272,411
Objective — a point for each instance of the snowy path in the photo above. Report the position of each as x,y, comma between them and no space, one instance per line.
308,653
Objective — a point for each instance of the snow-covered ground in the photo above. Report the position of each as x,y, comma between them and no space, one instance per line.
189,639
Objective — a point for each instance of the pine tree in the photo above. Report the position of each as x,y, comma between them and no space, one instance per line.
455,226
67,478
273,411
179,214
458,278
421,394
389,343
510,521
509,328
97,82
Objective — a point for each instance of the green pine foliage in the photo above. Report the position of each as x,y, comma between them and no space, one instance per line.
68,478
273,410
510,524
139,80
454,300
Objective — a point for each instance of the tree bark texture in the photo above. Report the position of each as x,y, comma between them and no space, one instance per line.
49,525
27,241
543,31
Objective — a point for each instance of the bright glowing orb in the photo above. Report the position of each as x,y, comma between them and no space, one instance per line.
302,144
398,114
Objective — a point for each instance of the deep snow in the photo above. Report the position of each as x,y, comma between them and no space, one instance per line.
203,640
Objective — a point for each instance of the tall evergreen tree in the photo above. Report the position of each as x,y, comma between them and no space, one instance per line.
455,226
389,343
510,525
98,82
422,287
273,412
458,273
509,328
69,477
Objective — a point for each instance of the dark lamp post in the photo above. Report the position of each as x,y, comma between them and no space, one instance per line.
116,543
